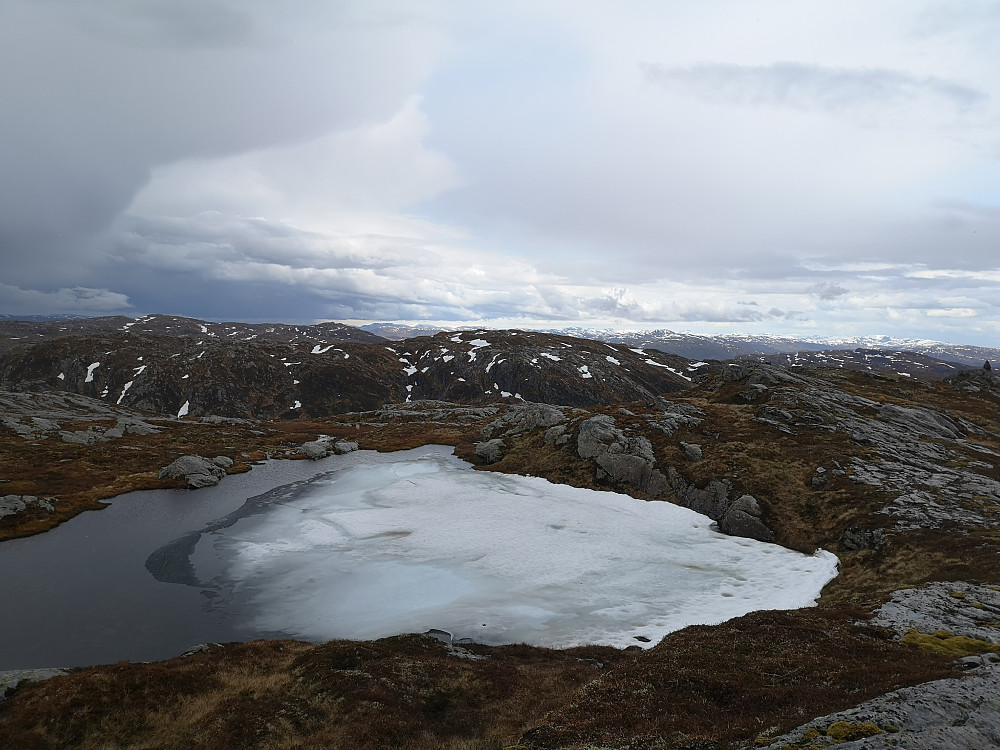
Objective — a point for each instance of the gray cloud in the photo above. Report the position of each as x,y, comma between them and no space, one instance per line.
810,86
828,290
96,95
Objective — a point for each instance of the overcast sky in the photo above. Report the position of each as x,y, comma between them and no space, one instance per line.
829,168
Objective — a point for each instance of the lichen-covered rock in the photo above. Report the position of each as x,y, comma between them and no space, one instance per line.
345,446
961,608
491,451
198,471
13,504
958,714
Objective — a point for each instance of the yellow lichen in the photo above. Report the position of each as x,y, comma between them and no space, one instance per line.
943,642
845,731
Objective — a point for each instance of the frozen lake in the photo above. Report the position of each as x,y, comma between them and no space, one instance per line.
426,542
367,545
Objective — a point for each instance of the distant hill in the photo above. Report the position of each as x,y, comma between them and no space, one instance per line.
14,332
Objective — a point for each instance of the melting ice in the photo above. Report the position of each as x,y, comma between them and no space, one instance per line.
424,541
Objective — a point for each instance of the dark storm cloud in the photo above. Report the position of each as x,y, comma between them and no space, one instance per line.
97,94
809,86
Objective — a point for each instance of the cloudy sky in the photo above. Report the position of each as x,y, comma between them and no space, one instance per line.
829,168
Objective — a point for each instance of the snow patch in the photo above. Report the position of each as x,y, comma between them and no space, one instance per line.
321,349
90,372
553,357
61,376
182,412
584,372
612,360
125,390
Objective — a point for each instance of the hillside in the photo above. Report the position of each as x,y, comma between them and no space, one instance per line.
898,476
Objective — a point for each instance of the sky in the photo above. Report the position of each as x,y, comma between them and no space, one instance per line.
822,169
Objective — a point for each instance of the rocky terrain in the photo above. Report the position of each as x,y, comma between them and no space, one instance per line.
898,476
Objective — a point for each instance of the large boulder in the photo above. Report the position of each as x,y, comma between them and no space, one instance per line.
490,451
742,518
198,471
315,449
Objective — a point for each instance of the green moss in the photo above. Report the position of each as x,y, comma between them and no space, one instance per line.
956,594
890,729
845,731
811,734
943,642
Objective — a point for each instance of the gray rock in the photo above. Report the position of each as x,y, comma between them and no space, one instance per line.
197,470
90,436
961,608
742,518
596,435
491,451
553,434
315,449
859,539
633,470
692,451
223,461
345,446
11,505
954,714
521,418
674,415
711,501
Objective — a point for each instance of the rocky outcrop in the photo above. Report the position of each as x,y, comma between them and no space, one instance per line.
959,607
521,418
37,416
620,456
962,713
958,714
13,504
198,471
741,517
931,464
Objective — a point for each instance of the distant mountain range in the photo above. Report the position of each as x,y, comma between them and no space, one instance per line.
742,346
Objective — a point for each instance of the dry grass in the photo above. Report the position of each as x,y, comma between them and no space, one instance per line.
728,683
404,692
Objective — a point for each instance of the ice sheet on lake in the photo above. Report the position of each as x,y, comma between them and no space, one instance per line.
427,542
